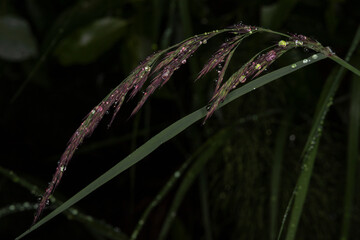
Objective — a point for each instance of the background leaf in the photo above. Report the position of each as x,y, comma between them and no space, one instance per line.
85,45
17,42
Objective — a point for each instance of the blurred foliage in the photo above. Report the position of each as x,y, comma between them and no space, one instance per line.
62,57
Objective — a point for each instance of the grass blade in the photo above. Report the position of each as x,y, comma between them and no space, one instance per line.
167,134
353,156
213,145
280,144
310,149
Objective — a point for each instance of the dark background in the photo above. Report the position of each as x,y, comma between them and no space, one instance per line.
48,83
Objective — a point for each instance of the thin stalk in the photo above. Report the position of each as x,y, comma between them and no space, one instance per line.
352,156
162,193
213,145
204,202
280,143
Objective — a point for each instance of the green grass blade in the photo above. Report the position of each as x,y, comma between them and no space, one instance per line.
280,145
310,149
167,134
162,193
345,65
213,145
353,156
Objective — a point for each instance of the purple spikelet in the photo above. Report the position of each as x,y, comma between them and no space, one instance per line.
251,69
134,82
115,98
171,62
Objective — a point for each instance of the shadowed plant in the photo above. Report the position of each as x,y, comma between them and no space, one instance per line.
157,69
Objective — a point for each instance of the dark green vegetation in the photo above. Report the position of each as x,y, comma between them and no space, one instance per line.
233,178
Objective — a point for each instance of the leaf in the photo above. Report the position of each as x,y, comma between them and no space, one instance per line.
86,44
17,42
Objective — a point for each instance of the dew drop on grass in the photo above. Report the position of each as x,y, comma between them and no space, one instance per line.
205,41
183,61
292,137
147,69
315,56
177,174
47,202
305,61
74,211
282,43
293,66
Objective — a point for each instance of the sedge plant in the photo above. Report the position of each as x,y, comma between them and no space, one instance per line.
157,69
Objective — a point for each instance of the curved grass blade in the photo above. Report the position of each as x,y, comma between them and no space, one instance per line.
310,149
167,134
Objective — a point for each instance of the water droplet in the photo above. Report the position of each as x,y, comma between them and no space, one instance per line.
315,56
74,211
93,111
200,42
292,137
147,69
177,174
282,43
47,203
258,66
63,168
298,43
305,61
12,207
205,41
183,61
39,198
208,107
293,66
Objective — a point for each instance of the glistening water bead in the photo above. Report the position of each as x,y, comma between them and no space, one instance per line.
293,65
282,43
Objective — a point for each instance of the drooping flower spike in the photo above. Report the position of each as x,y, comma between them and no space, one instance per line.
160,66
